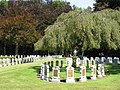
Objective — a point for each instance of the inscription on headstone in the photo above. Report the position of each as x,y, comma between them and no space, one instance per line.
70,73
83,72
56,73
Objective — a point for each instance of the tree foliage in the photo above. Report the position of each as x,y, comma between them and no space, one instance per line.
23,22
104,4
84,31
19,30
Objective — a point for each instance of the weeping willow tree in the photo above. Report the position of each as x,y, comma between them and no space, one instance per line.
84,31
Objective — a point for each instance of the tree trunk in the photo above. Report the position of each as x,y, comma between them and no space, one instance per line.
4,48
16,49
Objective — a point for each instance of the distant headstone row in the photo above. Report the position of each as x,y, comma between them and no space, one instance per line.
96,72
18,59
52,57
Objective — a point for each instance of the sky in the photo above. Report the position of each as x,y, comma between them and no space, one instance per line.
81,3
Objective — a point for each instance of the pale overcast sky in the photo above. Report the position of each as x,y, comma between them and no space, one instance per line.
82,3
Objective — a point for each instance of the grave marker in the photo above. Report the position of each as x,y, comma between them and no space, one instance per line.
103,70
56,74
8,61
43,71
93,70
99,71
107,60
70,74
47,73
4,62
115,60
69,61
82,74
77,62
12,61
102,60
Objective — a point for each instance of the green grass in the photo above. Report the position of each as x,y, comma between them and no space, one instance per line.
23,77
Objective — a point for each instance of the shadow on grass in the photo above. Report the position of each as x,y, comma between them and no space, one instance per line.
113,69
36,68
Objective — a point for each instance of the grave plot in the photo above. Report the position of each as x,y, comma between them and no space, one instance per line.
58,71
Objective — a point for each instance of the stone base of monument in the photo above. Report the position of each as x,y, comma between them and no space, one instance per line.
93,78
83,79
47,78
55,79
42,77
70,80
99,76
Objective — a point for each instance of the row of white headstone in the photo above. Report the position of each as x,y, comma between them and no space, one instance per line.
92,61
14,60
108,60
84,62
44,73
52,57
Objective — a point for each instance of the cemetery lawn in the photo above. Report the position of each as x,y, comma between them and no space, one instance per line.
24,77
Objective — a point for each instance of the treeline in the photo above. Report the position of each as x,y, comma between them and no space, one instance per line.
98,32
106,4
22,23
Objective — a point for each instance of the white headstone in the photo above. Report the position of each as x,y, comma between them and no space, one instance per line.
56,74
77,62
107,60
16,61
103,70
99,70
84,61
4,62
47,73
8,62
70,74
102,59
115,60
43,71
69,61
12,61
110,60
97,59
91,58
93,70
82,74
20,60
